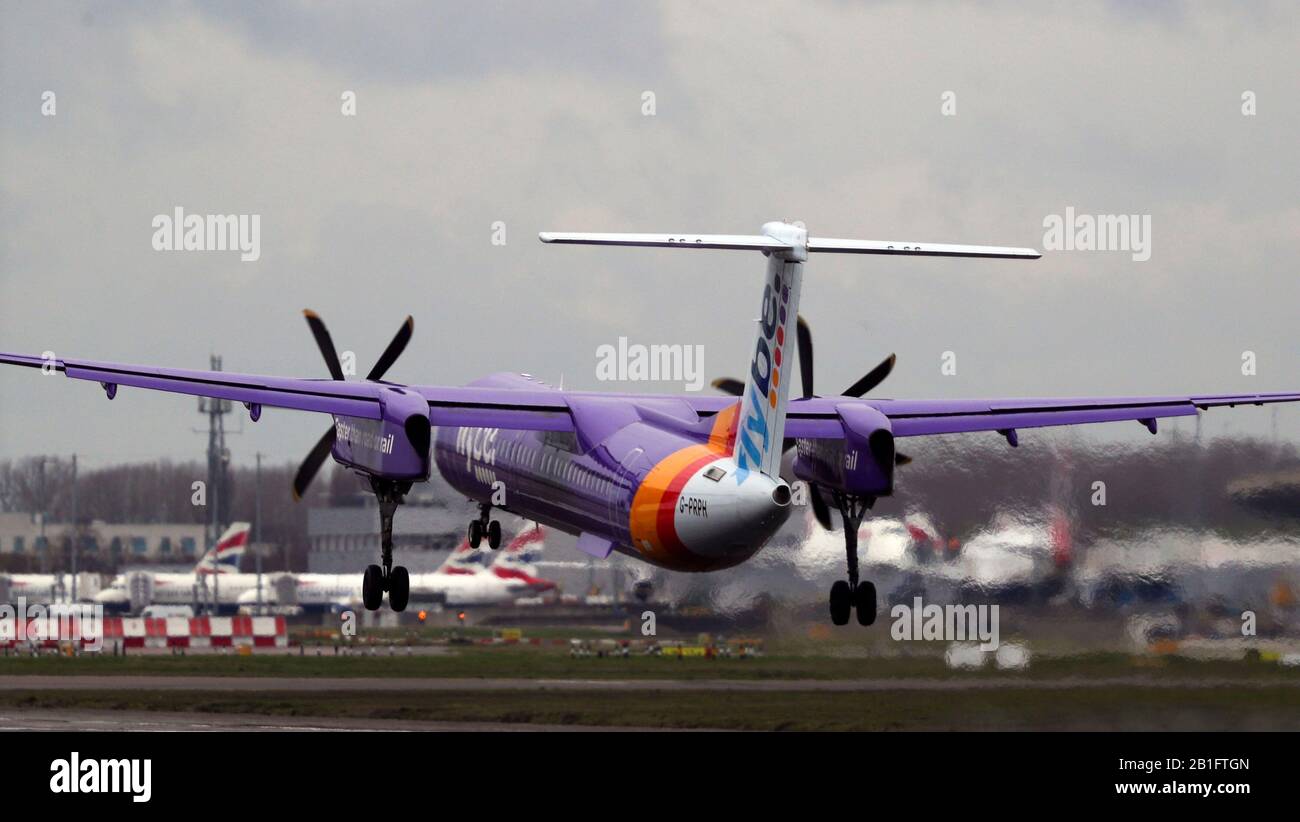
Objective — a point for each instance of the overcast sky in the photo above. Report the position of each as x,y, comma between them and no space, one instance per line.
532,114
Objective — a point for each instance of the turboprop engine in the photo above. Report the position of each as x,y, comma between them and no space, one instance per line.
861,464
396,446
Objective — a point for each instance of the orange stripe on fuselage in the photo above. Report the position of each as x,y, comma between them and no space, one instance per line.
644,520
654,504
723,436
665,523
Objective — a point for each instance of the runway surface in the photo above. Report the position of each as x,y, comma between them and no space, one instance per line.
236,684
42,719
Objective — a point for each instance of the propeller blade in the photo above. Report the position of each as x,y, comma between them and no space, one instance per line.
729,385
901,458
394,350
315,458
821,510
873,377
324,343
805,356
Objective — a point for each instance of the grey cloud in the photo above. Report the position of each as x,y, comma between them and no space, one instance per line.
529,115
415,41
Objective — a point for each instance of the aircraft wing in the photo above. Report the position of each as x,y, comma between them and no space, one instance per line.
540,410
547,410
818,417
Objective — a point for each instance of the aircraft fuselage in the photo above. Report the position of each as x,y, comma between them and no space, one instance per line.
647,483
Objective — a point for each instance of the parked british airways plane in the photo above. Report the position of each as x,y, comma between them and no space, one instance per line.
467,577
687,483
221,560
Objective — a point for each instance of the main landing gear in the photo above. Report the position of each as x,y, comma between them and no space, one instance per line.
377,580
484,526
852,595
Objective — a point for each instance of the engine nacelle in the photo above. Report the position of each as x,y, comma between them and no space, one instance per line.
396,446
861,464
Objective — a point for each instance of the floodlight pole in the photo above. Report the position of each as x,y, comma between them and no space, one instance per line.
75,546
257,530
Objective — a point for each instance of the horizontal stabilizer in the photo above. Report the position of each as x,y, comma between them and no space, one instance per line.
759,242
749,242
825,244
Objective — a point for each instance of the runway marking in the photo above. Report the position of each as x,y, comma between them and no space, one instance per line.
327,684
92,720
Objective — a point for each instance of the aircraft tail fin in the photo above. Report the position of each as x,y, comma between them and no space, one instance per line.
464,560
760,425
224,556
522,554
518,562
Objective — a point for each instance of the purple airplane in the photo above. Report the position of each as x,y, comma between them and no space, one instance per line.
686,483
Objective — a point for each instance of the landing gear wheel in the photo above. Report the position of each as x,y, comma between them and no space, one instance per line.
864,602
399,589
494,535
372,587
475,533
849,595
841,602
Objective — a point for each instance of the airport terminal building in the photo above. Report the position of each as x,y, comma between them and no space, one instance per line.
21,536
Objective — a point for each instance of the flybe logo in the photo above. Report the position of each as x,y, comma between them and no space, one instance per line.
477,444
754,438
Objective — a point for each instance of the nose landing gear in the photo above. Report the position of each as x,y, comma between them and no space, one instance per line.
484,526
377,579
852,595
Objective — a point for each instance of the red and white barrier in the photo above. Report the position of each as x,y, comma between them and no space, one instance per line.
157,632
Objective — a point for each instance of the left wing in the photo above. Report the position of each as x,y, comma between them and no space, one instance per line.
818,417
540,410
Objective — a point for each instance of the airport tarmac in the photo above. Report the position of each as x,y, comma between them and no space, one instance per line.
42,719
235,684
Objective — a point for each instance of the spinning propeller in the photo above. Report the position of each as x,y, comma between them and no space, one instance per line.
316,456
873,378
